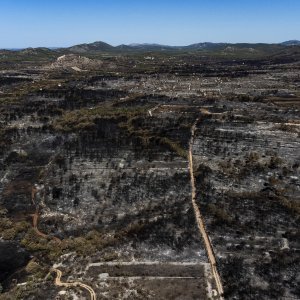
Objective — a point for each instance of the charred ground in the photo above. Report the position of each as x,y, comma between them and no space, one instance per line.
96,147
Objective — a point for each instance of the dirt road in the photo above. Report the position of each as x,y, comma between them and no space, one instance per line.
150,111
58,282
199,219
35,218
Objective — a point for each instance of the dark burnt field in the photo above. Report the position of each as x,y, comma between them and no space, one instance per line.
95,179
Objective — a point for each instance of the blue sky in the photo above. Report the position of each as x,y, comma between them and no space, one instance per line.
25,23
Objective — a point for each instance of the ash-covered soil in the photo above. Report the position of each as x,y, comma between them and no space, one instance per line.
95,179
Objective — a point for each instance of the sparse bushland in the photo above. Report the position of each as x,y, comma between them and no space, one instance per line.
10,229
83,245
292,205
174,146
84,119
246,98
252,163
276,196
221,216
287,127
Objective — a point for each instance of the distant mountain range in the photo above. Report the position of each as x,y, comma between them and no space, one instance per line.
104,47
291,43
207,46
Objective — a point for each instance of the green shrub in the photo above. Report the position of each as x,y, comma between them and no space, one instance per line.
8,234
84,119
174,146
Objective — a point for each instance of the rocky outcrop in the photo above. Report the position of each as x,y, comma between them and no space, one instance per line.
75,62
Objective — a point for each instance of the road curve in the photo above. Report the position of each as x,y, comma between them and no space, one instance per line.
35,218
200,221
58,282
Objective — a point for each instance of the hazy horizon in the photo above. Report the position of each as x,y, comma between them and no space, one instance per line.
65,23
128,44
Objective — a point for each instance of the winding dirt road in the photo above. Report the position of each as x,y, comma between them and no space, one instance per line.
58,282
35,218
199,219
